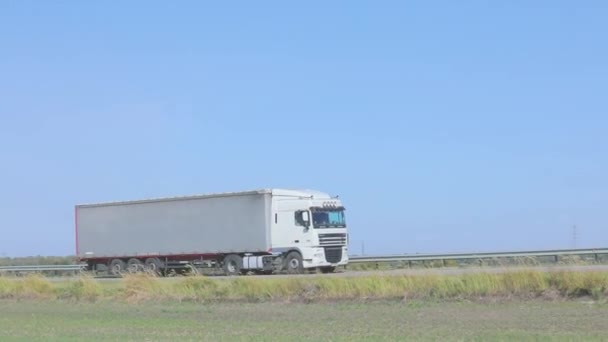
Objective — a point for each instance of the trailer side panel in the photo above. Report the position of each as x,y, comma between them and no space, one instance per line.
202,225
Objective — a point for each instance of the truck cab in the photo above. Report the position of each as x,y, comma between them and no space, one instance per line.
309,230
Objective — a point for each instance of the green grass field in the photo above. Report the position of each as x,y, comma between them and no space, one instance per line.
348,321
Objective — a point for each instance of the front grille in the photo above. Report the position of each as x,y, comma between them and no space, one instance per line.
333,254
332,239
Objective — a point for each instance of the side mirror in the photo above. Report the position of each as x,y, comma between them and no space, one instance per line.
306,218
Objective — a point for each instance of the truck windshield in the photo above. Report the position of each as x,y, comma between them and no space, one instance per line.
328,219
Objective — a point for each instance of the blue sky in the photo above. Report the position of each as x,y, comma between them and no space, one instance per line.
444,126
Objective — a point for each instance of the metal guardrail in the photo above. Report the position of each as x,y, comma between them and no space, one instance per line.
462,256
371,259
42,268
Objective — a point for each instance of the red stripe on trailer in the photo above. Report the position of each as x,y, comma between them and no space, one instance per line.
169,257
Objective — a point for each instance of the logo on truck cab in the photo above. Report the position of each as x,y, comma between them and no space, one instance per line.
330,204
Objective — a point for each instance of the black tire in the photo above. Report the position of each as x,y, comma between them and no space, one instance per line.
117,267
153,265
135,266
293,263
232,265
328,269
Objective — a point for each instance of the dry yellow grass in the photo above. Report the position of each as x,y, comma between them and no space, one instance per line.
142,288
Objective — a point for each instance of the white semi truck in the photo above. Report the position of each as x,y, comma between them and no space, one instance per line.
263,231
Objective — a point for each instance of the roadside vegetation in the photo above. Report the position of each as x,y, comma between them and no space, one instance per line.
38,260
476,286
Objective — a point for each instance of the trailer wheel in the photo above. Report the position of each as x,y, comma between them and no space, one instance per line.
135,265
154,265
232,264
293,263
117,266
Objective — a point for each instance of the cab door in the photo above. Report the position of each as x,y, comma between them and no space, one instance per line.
293,228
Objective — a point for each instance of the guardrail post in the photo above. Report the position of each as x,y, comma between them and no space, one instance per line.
556,258
409,263
597,257
480,262
443,262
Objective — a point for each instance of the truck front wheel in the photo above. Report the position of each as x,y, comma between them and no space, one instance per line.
232,264
293,263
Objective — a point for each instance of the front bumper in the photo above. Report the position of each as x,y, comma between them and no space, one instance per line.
319,258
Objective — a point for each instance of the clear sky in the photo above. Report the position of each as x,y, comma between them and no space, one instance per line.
444,126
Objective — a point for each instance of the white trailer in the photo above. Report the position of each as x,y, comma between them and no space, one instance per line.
263,231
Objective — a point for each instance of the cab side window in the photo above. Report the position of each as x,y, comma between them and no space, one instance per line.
299,219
